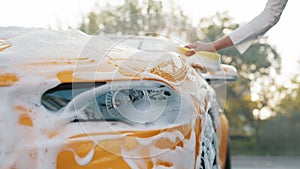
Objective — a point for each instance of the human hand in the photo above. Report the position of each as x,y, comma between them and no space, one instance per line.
199,46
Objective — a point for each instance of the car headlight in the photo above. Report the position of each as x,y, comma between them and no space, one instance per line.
141,102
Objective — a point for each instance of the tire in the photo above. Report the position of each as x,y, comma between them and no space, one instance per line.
228,159
209,146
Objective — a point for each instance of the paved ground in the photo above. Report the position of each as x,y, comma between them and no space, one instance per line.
265,162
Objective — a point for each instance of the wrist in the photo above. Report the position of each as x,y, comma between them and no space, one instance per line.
222,43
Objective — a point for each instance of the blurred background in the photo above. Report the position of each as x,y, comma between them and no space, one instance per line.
263,106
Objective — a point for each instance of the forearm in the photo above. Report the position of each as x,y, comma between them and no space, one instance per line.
259,25
222,43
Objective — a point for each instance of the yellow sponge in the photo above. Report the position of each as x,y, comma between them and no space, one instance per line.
209,55
211,61
184,50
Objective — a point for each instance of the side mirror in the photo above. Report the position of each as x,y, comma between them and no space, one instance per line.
227,73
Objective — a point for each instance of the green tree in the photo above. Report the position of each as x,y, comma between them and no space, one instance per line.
284,128
134,18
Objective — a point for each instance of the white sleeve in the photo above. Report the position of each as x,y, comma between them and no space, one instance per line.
244,36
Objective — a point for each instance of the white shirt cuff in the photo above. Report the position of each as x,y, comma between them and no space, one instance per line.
241,39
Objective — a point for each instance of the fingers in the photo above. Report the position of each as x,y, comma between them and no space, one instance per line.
190,53
192,45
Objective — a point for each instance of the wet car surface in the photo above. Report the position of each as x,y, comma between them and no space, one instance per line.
70,100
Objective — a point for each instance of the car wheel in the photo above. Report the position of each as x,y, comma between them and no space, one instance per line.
228,159
209,146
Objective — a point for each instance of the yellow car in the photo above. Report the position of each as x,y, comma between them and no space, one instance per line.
75,101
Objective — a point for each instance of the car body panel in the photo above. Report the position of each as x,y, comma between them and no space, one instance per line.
33,61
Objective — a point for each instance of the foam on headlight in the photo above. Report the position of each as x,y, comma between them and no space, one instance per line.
134,102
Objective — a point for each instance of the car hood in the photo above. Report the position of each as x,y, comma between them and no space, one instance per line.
72,56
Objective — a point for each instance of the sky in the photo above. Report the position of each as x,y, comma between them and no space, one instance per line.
60,13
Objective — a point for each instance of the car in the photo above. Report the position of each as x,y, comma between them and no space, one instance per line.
72,100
